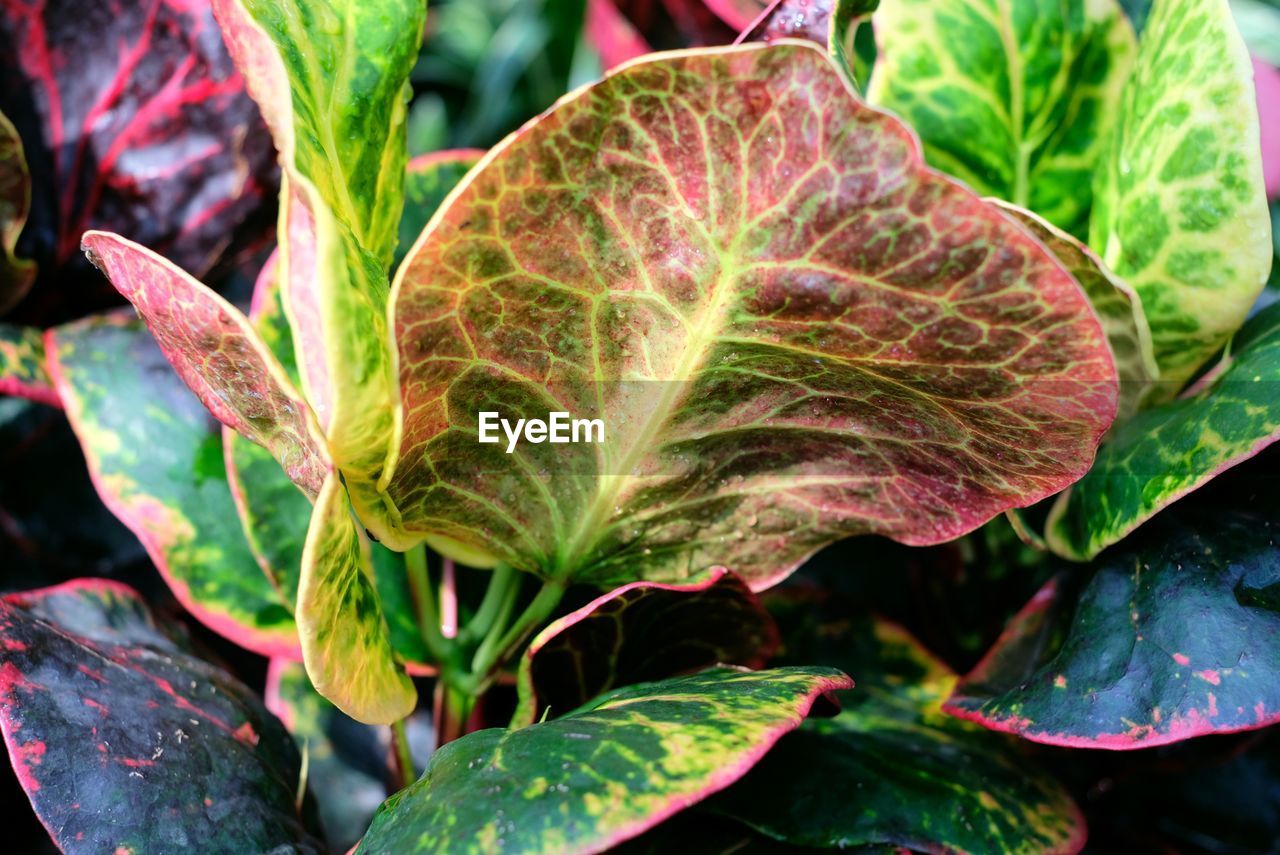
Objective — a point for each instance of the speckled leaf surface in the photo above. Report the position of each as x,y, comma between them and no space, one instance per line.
428,180
331,79
1175,635
218,355
345,641
156,460
127,743
1171,450
892,769
791,328
607,772
1014,98
16,274
1117,305
1180,210
641,632
23,372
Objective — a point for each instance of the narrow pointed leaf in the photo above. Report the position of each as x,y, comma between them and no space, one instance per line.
1174,636
23,372
1180,210
1015,98
1117,305
344,635
1171,450
125,742
791,330
16,274
428,180
612,35
218,355
641,632
605,773
156,460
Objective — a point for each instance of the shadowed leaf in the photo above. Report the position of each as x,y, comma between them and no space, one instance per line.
606,772
640,632
23,373
1179,206
156,460
1015,98
791,329
125,742
738,14
846,37
1166,452
16,274
428,180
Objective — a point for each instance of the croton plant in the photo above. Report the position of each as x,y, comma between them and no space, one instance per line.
899,338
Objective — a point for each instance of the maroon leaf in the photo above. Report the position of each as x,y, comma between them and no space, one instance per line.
792,19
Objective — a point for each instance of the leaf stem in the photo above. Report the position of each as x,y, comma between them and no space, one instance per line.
492,654
482,621
403,756
415,564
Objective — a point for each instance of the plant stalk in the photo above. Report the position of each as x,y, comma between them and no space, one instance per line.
404,771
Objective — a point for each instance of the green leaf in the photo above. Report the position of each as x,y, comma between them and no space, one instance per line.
126,742
602,774
16,274
1175,635
739,278
843,39
1015,97
640,632
331,79
1117,305
344,635
23,373
217,354
1180,211
429,180
1171,450
892,768
156,460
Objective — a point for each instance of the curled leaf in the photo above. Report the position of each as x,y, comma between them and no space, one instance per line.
16,274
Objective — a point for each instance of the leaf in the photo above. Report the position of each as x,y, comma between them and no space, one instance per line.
125,742
1180,211
344,634
155,458
640,632
766,387
738,14
847,36
428,181
891,769
331,79
798,19
1117,305
1171,637
1015,99
612,35
607,772
1171,450
134,120
16,274
218,355
22,366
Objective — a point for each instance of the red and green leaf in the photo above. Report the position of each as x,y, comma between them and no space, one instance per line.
125,742
641,632
429,179
604,773
156,461
1173,636
16,274
792,329
23,372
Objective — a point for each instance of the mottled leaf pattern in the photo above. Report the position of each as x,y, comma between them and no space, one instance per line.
639,632
1173,636
792,329
156,460
1168,451
16,274
344,635
23,372
1015,97
125,742
603,774
1180,211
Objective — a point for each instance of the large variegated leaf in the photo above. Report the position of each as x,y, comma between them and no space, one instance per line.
345,641
1174,636
331,79
1180,211
1016,98
607,772
156,460
1168,451
125,742
16,274
218,355
23,371
791,330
